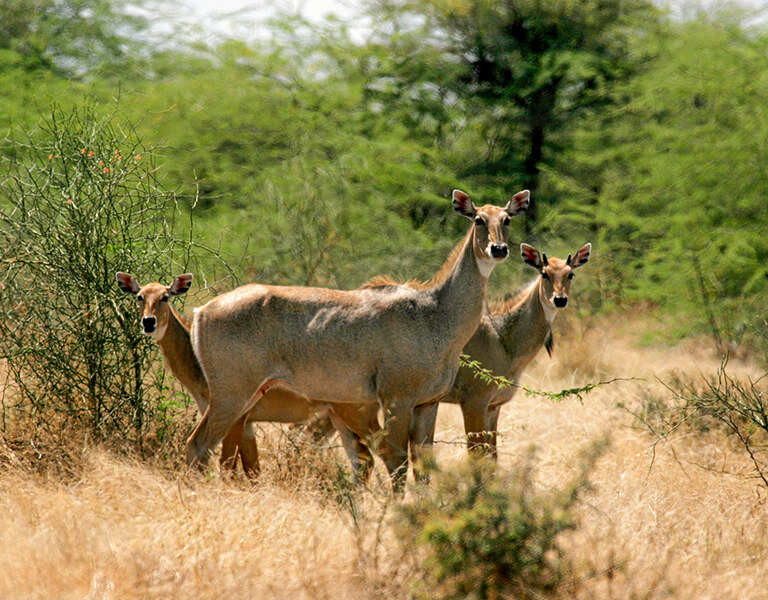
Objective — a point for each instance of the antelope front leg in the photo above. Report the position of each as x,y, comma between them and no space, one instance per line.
222,415
492,429
422,436
394,449
478,439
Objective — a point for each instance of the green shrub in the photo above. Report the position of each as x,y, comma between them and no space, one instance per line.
80,202
479,533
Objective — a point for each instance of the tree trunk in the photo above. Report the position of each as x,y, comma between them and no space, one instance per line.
539,115
531,181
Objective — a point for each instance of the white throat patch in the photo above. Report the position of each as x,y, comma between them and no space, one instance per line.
485,265
549,310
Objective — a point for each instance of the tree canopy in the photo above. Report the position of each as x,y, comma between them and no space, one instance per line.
322,153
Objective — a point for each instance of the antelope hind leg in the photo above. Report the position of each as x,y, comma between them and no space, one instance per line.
394,448
231,446
249,452
218,420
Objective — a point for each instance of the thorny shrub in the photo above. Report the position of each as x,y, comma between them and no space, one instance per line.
81,200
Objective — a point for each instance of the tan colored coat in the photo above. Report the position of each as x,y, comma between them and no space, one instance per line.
396,346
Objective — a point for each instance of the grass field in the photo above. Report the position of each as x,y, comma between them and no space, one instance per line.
682,518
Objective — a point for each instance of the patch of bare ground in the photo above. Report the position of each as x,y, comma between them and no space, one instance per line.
682,518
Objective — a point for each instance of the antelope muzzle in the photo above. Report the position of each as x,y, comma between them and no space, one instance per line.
499,250
149,324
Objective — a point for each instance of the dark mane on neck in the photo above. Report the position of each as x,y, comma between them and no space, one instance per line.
381,281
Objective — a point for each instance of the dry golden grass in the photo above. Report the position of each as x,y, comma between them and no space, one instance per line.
663,521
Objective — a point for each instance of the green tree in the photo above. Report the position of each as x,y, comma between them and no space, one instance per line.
70,37
677,178
528,68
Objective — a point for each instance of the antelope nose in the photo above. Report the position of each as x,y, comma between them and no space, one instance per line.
499,250
561,301
149,323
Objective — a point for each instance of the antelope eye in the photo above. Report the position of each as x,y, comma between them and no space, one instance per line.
164,299
140,298
506,221
544,275
570,275
479,221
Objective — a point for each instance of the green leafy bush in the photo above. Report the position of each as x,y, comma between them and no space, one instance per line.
480,533
81,202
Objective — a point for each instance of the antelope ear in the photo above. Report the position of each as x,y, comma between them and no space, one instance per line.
581,257
128,283
518,203
463,204
180,285
530,256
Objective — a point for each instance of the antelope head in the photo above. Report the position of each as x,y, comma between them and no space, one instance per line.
490,229
556,275
153,301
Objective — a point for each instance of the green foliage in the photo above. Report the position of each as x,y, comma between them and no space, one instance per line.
676,192
289,154
69,37
83,202
320,159
490,378
524,71
479,533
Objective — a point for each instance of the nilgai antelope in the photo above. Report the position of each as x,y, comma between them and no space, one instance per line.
161,321
397,346
505,342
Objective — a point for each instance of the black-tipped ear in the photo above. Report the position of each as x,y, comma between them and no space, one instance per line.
581,257
463,205
180,284
544,261
518,203
128,283
530,256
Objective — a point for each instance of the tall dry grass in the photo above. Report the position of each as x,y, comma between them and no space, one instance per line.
681,518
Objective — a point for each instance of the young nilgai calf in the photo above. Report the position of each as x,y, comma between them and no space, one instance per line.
397,346
505,342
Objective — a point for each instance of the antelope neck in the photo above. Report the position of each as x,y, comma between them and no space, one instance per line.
463,291
549,311
522,325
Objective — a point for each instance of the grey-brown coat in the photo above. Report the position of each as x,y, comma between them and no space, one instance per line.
393,345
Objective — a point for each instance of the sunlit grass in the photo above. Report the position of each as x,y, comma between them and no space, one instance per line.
679,519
